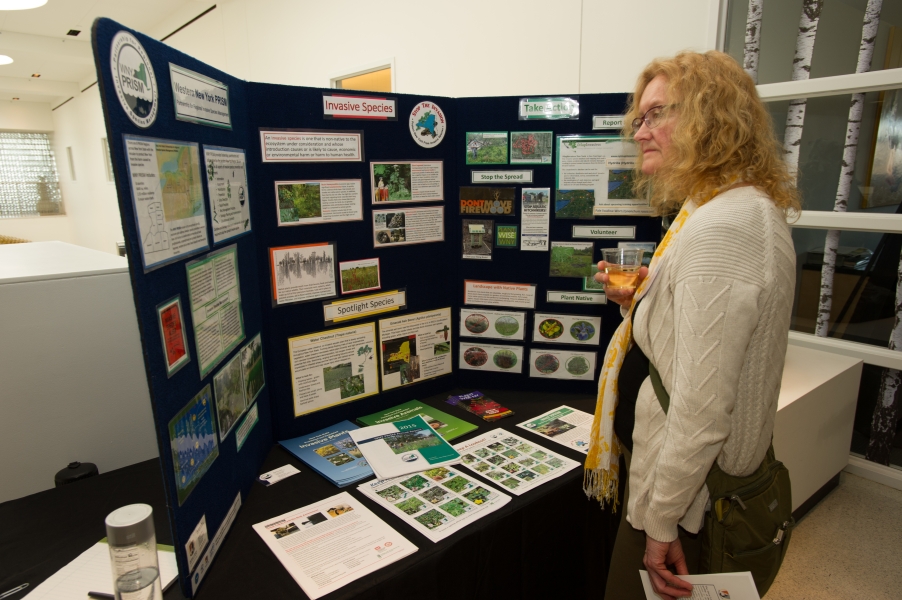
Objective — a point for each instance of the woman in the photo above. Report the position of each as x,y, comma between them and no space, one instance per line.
711,314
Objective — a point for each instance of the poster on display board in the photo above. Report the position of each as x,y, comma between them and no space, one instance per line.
494,324
192,439
558,328
403,227
230,209
499,293
322,201
302,273
310,145
603,165
168,199
173,335
531,147
407,181
535,221
561,364
332,367
478,356
199,99
414,347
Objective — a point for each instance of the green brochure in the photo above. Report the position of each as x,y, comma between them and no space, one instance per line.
444,424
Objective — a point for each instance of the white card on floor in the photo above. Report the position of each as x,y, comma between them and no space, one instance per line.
277,475
717,586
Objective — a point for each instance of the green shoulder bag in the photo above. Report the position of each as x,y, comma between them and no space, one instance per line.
750,521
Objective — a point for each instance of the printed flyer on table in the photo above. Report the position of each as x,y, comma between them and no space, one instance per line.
564,425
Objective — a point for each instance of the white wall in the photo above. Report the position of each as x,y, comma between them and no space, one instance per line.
25,116
90,200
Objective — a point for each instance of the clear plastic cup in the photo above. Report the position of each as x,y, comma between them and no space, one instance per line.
622,267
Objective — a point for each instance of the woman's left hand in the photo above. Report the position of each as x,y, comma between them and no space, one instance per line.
657,556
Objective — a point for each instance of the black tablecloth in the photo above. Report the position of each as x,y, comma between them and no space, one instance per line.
550,541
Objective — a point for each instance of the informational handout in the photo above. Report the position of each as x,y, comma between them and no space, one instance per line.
558,328
513,462
408,226
478,356
311,145
564,425
414,347
499,293
192,439
717,586
303,273
402,447
436,502
215,296
495,324
603,165
407,181
332,367
168,199
329,544
535,206
324,201
276,475
562,364
332,453
230,209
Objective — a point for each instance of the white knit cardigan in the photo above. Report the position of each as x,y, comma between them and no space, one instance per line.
715,325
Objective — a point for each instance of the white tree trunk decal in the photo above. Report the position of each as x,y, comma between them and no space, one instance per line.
887,411
850,152
753,39
801,69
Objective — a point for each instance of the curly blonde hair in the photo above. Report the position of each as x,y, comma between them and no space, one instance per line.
723,135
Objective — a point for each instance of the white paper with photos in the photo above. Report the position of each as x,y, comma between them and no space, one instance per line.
535,219
494,324
230,208
558,328
511,461
566,426
414,347
436,502
562,364
477,356
327,545
408,226
407,181
401,447
716,586
310,202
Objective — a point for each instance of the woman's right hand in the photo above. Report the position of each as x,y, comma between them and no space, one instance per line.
621,296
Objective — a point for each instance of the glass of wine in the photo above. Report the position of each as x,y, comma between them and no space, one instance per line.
622,266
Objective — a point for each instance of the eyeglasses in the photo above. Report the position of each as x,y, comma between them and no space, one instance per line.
652,117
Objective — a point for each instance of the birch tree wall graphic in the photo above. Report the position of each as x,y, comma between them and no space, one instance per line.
753,39
850,153
801,69
889,408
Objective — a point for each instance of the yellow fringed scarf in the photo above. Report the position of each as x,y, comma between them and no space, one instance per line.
602,470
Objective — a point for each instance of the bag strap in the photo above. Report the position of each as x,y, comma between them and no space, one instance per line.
660,392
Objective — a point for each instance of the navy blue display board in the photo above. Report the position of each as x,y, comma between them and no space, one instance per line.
432,273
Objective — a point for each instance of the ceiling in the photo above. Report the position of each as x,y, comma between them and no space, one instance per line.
36,40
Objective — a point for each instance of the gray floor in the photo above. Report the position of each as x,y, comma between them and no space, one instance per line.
848,546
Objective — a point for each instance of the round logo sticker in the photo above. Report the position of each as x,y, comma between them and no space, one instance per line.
427,124
133,79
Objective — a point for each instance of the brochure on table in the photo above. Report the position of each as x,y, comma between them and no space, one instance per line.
214,175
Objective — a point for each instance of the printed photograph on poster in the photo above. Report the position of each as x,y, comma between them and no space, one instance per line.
478,238
574,204
556,328
495,324
414,347
251,418
303,273
536,219
408,226
493,201
168,199
228,389
214,293
561,364
499,293
407,181
197,541
571,259
648,249
487,148
192,438
230,210
333,367
173,335
488,357
605,165
252,368
506,236
359,275
531,147
589,283
311,145
325,201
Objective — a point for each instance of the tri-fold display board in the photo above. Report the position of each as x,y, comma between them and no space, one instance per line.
303,256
